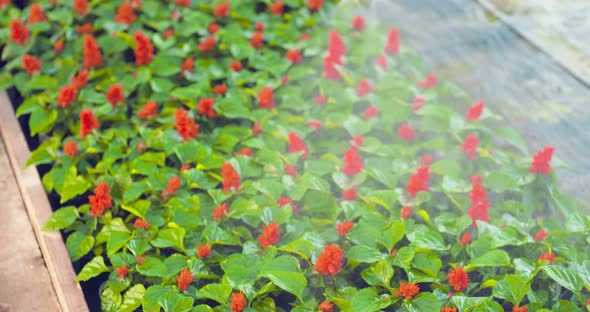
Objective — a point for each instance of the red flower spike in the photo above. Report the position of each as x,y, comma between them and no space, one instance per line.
448,309
84,29
184,279
304,36
541,161
458,279
115,94
344,227
203,251
185,126
326,306
547,256
19,33
222,9
330,70
358,23
406,212
294,56
277,8
407,290
315,5
220,212
353,163
80,6
371,112
125,14
185,3
256,129
320,99
231,178
36,14
174,183
418,103
140,259
465,239
141,224
285,80
259,26
149,109
357,141
291,170
364,88
419,181
235,66
208,44
476,179
88,122
541,235
284,201
428,82
144,50
257,40
91,52
185,167
31,64
122,271
246,152
58,46
270,235
220,89
474,112
266,98
406,132
71,148
392,44
101,200
317,125
381,61
336,47
213,28
296,145
426,160
80,80
238,302
349,194
67,95
519,309
329,262
206,107
187,66
470,146
479,205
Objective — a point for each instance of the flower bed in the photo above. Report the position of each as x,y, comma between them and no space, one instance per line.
258,155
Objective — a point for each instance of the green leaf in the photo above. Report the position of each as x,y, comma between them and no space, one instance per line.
170,238
92,269
423,302
494,258
41,82
285,273
78,244
365,254
428,263
216,292
175,302
41,121
565,277
488,306
499,182
110,301
45,153
134,191
427,239
133,298
512,288
152,266
115,241
152,296
379,273
61,219
512,137
367,300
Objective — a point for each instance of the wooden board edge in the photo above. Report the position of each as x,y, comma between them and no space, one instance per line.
62,274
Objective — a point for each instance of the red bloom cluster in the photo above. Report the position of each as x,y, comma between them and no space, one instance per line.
220,212
371,112
235,66
125,14
168,33
31,64
541,160
326,306
213,28
349,194
277,8
246,152
81,79
541,235
458,279
470,146
364,88
358,23
91,52
187,66
320,99
70,148
344,227
141,224
296,145
115,94
101,200
80,6
185,126
67,95
185,278
315,5
407,290
479,204
290,170
519,309
257,39
222,9
238,302
203,251
406,132
173,186
381,61
19,33
266,98
465,239
294,56
220,89
185,3
36,14
428,82
270,235
329,262
144,50
149,109
419,181
88,122
206,107
392,43
336,50
58,46
353,163
406,212
122,271
418,103
208,44
548,256
231,178
317,125
448,309
84,29
474,112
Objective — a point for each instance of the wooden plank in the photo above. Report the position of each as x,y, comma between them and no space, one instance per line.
69,293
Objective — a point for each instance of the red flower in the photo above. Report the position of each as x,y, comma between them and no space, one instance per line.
84,29
277,8
36,14
284,201
419,181
140,259
406,132
58,46
353,163
259,26
206,107
88,122
470,146
418,103
236,66
80,6
220,89
185,3
203,251
185,167
479,205
296,145
358,22
4,4
320,99
238,302
357,141
448,309
304,36
541,160
256,128
71,148
266,98
81,79
519,309
184,279
426,160
336,47
465,239
344,227
458,279
381,61
317,125
220,212
270,235
187,66
213,28
207,45
101,200
31,64
549,256
330,70
67,95
371,112
19,33
349,194
246,152
122,271
476,179
392,44
115,94
149,109
174,183
329,262
291,170
222,9
315,5
125,14
364,88
92,54
141,224
407,290
284,80
294,56
541,235
257,40
185,126
326,306
144,50
428,82
406,212
474,112
231,178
